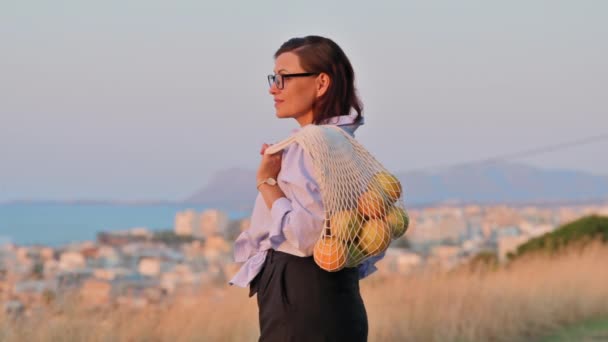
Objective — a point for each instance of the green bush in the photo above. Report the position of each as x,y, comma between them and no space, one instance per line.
580,231
170,238
483,261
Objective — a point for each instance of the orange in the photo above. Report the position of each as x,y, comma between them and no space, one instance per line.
330,253
372,204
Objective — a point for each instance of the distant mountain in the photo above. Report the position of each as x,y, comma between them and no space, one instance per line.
501,182
232,188
487,182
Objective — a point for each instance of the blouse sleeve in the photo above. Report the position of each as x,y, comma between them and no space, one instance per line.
298,217
367,267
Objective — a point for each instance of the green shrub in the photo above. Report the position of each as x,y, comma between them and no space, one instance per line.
483,261
580,231
171,238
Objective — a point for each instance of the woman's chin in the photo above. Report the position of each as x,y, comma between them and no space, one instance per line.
281,115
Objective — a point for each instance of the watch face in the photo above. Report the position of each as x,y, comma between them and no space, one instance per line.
271,181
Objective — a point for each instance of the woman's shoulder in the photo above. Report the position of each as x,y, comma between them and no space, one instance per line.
295,155
296,164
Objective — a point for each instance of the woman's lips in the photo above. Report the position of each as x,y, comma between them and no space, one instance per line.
277,102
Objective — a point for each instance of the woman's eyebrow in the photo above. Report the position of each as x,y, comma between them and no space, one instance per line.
278,71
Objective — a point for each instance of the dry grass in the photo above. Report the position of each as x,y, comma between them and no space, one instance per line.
529,298
526,300
213,315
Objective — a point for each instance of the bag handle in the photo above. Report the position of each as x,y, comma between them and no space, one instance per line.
280,146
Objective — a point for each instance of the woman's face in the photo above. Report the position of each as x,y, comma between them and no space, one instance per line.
296,98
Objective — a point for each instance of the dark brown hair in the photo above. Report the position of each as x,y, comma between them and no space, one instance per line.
322,55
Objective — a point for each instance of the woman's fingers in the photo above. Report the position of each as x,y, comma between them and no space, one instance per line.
264,147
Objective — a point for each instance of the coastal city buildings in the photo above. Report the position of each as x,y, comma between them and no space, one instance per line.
140,267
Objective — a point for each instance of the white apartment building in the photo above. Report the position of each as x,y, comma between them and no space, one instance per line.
186,222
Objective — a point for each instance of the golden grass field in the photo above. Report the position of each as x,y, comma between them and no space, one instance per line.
523,301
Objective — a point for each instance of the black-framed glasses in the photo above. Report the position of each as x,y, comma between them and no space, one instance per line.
279,79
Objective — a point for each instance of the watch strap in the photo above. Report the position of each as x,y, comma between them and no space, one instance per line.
269,181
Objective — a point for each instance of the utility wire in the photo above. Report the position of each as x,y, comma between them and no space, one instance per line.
525,153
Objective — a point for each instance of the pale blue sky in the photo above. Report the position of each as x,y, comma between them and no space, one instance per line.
147,99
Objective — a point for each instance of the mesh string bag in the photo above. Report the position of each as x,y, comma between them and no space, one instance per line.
362,201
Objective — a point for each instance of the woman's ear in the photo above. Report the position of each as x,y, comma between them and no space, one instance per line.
323,82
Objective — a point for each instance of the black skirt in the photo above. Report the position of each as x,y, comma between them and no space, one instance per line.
298,301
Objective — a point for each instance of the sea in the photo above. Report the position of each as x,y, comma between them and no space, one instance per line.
57,224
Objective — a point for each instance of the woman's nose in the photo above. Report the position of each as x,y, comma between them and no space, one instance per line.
273,89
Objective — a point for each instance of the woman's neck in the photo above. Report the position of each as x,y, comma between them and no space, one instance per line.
305,119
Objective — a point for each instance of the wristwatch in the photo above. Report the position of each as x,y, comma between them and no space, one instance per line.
269,181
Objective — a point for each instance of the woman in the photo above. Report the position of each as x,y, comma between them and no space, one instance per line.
313,83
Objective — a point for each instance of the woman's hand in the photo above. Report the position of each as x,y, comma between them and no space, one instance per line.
269,168
270,164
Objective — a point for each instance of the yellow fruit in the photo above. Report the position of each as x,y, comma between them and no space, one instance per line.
330,253
372,204
345,224
388,184
374,237
398,221
355,255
